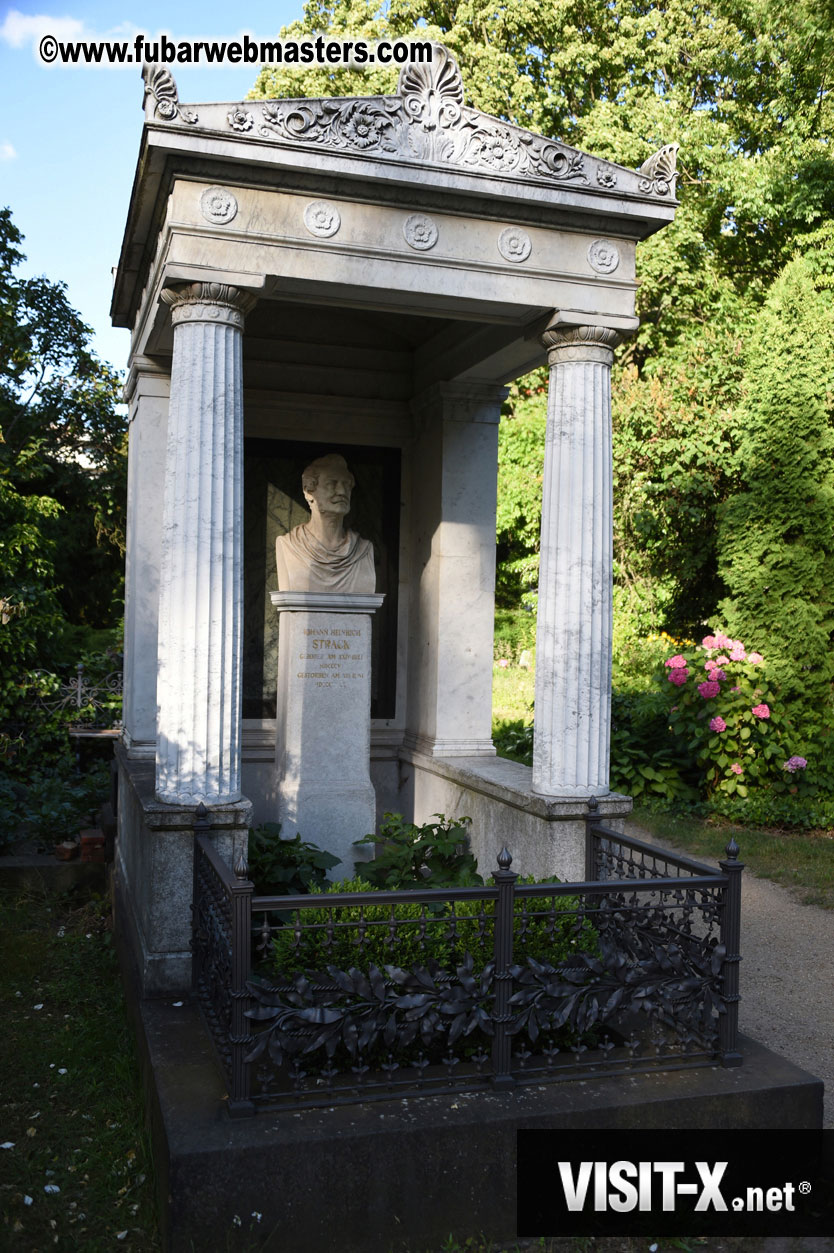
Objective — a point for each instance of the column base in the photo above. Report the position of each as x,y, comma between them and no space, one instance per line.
558,792
154,872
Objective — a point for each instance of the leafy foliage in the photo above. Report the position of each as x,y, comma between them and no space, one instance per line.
515,631
776,551
514,739
519,512
434,854
548,928
282,867
742,86
50,805
62,476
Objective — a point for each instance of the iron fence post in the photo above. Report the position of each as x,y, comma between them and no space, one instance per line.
240,1041
202,826
591,817
731,941
503,956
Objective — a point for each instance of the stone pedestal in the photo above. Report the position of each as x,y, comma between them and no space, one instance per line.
574,628
323,722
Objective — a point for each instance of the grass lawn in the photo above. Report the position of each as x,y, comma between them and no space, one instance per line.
513,689
76,1170
798,859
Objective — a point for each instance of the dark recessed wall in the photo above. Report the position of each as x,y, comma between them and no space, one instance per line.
273,504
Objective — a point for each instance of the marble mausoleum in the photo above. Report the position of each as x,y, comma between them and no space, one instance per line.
362,277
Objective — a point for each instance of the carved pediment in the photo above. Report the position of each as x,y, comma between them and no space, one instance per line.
427,123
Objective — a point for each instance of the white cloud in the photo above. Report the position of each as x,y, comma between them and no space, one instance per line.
7,152
22,28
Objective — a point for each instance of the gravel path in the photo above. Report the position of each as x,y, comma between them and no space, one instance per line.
787,976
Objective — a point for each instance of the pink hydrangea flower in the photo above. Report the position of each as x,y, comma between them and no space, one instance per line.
736,768
761,711
722,661
735,689
709,689
676,661
678,676
795,763
738,654
708,641
717,724
718,674
755,658
722,640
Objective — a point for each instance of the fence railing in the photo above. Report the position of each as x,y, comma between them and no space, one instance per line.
373,995
90,704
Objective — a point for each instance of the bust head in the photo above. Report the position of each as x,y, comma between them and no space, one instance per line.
327,484
321,555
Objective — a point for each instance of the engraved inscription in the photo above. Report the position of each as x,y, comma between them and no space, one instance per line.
336,655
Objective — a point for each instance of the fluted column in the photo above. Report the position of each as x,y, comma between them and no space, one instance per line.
573,636
200,609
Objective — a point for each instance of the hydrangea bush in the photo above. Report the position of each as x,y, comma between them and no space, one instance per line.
727,714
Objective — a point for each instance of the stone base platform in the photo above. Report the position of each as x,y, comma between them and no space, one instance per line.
403,1174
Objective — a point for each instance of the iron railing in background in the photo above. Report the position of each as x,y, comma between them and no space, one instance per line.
89,704
373,995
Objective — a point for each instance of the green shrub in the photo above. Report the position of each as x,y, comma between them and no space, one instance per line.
286,867
515,632
776,538
545,928
646,763
514,739
52,805
434,854
729,719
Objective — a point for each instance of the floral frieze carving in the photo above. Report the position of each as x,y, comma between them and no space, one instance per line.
426,121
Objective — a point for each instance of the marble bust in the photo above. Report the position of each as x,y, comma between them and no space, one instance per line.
321,555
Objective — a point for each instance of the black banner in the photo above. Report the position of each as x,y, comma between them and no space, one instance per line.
675,1183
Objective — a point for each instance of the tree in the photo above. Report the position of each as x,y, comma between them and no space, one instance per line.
776,536
742,85
62,474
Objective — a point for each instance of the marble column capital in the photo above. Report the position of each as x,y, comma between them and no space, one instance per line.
580,343
217,303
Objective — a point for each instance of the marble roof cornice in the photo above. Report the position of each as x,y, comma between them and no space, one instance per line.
422,147
426,123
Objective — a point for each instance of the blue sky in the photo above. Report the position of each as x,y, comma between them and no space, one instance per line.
69,137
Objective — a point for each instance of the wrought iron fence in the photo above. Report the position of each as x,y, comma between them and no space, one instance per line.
373,995
89,704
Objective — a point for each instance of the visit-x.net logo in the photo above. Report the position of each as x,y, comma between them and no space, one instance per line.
682,1183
